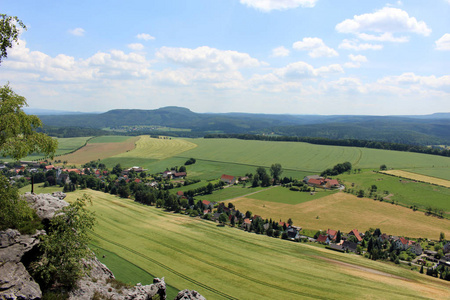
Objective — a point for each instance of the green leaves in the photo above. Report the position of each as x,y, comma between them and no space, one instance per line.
9,32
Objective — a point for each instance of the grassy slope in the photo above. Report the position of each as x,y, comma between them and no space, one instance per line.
284,195
228,263
404,191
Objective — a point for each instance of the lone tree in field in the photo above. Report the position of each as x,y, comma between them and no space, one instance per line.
276,170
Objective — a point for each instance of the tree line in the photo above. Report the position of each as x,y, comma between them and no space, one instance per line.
333,142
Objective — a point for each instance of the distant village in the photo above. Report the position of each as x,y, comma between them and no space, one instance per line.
373,244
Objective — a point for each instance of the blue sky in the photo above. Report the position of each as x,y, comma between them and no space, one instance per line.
262,56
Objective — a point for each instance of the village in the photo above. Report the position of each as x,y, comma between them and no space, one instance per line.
373,244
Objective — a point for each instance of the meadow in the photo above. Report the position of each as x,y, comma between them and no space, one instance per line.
418,177
345,212
227,263
407,192
65,145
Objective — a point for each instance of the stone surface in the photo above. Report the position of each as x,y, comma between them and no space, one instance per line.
46,204
15,281
187,294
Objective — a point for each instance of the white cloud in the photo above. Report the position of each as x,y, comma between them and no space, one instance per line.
444,42
356,45
385,37
411,79
356,61
145,36
136,46
347,85
280,52
208,58
269,5
385,20
315,46
77,31
303,70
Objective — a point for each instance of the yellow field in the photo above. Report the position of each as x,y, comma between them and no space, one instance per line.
96,151
147,147
345,212
418,177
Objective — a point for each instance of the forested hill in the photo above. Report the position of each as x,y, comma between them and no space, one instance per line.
417,130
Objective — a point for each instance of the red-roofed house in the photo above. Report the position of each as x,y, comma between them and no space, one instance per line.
179,175
246,225
315,182
50,167
180,193
331,234
323,239
228,179
356,233
331,183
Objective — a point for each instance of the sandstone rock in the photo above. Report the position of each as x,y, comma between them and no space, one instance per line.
59,195
187,294
15,281
46,205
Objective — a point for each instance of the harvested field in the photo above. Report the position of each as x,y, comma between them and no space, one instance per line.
96,151
345,212
418,177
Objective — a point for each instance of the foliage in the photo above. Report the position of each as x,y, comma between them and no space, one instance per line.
190,161
9,32
18,136
15,212
65,246
276,170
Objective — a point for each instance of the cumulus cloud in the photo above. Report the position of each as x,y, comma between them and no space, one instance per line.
385,37
77,31
386,20
356,61
269,5
303,70
136,46
315,46
207,58
145,36
411,79
444,42
356,45
280,52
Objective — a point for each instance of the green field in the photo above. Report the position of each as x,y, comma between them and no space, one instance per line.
404,191
109,139
230,193
443,173
284,195
65,145
227,263
40,189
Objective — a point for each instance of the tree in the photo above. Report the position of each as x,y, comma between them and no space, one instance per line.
261,171
275,171
223,218
441,237
361,193
65,246
9,33
18,137
383,167
338,237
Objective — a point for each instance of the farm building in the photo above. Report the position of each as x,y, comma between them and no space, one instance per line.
228,179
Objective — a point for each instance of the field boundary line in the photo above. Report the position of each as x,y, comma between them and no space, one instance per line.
250,165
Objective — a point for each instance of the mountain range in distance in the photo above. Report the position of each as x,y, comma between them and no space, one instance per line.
431,129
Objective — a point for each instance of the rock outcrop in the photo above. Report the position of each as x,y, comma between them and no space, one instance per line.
189,295
15,281
46,204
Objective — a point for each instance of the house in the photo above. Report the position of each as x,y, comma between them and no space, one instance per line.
167,174
323,239
447,248
331,183
401,243
416,249
315,182
178,175
50,167
228,179
355,233
246,225
349,246
292,233
180,193
332,234
307,178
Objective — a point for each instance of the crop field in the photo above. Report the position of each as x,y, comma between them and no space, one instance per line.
345,212
227,263
436,173
100,150
109,139
284,195
418,177
65,145
407,192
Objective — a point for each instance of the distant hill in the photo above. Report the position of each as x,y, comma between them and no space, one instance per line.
420,130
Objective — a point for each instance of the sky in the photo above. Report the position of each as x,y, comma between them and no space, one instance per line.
324,57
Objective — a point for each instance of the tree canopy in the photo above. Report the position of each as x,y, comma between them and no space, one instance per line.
9,33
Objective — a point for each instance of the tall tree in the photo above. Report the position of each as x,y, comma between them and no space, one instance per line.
276,170
10,27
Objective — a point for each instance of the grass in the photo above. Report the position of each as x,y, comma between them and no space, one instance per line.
406,192
126,271
40,189
229,193
65,145
443,172
109,139
284,195
345,212
226,263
